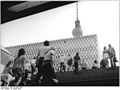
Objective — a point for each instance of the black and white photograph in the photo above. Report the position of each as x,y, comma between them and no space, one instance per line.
59,43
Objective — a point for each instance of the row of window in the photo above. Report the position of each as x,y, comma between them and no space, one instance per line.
71,42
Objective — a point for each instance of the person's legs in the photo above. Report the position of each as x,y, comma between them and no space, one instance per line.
39,66
111,61
76,68
24,78
48,74
114,61
38,76
17,76
64,68
21,75
26,74
4,83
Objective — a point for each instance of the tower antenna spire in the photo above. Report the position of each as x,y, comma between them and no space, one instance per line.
77,9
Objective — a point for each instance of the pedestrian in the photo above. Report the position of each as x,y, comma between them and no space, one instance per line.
45,69
18,67
69,63
106,56
76,60
112,55
62,62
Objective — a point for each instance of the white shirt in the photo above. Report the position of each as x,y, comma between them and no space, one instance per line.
62,58
95,65
48,55
43,50
105,54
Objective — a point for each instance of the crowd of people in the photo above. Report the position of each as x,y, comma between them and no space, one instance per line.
26,73
42,72
68,63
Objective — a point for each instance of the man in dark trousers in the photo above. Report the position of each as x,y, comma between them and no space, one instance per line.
45,68
76,59
112,55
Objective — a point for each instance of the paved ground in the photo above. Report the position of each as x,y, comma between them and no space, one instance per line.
93,77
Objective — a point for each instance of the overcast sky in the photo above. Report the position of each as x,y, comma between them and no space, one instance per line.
96,17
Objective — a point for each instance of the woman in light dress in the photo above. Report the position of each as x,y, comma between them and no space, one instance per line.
105,57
